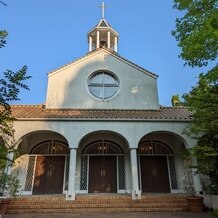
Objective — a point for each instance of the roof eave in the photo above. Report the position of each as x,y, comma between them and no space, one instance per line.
114,54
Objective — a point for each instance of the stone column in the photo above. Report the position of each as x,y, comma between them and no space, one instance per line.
72,174
98,40
136,193
115,44
108,39
90,43
196,178
10,157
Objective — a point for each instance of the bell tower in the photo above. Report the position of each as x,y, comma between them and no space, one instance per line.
103,35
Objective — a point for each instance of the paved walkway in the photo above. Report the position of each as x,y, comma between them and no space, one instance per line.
113,215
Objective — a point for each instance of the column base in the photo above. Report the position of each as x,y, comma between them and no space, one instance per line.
136,195
71,196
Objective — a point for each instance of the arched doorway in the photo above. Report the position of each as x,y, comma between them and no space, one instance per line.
102,168
47,167
156,167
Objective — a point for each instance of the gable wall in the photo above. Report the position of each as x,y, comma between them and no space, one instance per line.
67,88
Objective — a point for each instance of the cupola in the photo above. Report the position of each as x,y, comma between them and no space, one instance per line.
103,35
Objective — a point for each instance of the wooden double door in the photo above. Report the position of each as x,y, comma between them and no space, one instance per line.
49,175
154,174
102,174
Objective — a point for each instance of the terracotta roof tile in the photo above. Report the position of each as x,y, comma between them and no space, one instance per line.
40,112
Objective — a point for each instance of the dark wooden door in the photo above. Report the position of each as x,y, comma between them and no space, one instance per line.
154,174
102,174
49,175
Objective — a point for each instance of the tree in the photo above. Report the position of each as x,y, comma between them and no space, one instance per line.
3,3
10,85
197,36
3,35
197,31
176,101
203,101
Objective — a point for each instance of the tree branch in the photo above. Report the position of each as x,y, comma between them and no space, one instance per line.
3,3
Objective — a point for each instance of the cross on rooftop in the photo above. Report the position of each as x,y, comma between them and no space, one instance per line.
103,8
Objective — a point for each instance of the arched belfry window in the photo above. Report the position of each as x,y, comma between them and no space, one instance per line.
51,147
102,147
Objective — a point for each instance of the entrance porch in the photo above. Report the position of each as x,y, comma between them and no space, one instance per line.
103,163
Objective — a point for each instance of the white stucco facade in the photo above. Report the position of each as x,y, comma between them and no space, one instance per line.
75,131
68,86
102,130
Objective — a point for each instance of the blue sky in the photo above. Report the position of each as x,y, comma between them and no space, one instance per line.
46,34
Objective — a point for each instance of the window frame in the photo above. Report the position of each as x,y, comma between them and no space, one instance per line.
103,85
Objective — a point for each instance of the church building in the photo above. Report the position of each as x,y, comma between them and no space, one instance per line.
101,129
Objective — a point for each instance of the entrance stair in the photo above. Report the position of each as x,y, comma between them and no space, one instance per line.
98,203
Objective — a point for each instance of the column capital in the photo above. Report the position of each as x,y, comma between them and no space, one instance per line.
73,148
133,149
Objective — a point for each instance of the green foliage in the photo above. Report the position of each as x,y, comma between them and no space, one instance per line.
10,85
9,185
197,31
214,213
197,35
188,164
175,100
3,156
203,101
3,35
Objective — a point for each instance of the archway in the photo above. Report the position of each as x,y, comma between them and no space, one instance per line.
102,163
43,164
155,160
49,167
160,165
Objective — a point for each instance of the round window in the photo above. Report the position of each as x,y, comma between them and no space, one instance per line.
103,85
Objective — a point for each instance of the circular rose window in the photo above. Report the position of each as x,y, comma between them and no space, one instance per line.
103,85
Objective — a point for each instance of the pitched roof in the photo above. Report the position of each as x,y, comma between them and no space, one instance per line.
39,112
113,53
103,23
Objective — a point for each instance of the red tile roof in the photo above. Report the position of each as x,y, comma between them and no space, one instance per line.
29,112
